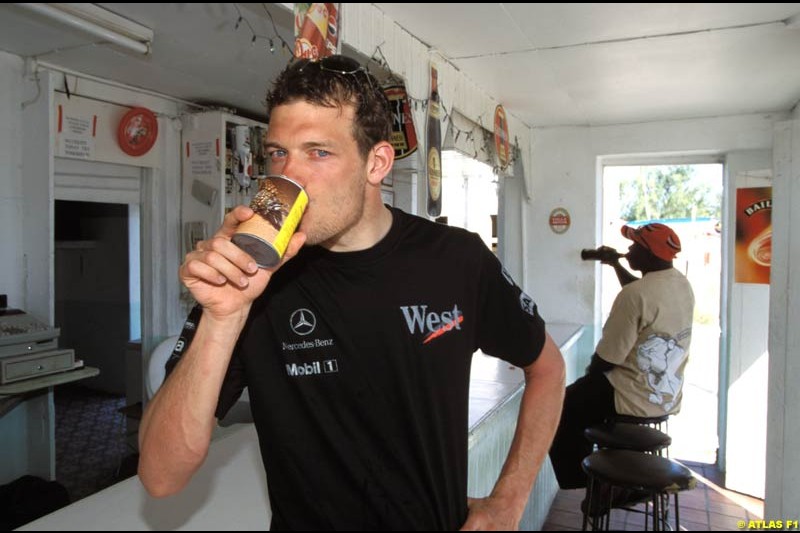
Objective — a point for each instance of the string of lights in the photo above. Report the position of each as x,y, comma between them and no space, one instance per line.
478,142
255,36
482,145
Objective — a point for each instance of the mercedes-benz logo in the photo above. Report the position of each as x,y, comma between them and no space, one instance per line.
302,321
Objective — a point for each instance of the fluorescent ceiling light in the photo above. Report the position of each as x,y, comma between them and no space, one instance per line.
97,21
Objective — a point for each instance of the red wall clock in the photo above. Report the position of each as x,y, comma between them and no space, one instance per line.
137,131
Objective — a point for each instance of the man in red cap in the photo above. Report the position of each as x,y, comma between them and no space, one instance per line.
637,367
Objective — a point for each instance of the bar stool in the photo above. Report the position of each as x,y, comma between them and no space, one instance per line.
661,423
627,470
634,437
627,436
657,422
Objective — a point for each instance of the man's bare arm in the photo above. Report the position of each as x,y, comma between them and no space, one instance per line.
537,422
176,426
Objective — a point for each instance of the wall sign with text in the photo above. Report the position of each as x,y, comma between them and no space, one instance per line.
753,235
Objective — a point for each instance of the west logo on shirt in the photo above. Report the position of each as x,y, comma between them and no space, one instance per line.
420,320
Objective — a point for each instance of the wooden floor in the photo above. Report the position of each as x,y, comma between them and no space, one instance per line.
708,507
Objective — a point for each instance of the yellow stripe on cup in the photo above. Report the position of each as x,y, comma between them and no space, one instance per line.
278,205
291,223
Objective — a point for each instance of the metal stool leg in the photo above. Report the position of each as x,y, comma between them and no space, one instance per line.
656,512
606,518
589,491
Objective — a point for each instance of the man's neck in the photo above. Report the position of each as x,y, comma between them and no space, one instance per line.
656,268
374,224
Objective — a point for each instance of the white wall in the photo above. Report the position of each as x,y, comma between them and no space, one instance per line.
565,173
743,373
11,96
27,230
783,431
27,193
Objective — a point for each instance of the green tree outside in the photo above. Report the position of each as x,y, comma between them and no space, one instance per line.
667,193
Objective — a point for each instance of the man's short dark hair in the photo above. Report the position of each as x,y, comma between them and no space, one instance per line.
337,81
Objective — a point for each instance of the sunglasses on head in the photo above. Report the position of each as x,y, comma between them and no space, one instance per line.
343,65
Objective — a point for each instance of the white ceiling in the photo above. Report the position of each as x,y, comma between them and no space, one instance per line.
548,64
591,64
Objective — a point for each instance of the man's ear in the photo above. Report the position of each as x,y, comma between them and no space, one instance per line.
380,162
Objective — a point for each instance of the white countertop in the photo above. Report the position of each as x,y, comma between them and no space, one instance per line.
229,492
494,381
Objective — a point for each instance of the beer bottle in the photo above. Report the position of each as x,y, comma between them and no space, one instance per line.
434,143
604,253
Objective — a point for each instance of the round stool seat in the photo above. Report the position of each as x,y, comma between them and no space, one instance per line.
624,436
638,471
642,420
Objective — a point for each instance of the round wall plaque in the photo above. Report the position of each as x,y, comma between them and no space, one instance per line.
137,131
559,220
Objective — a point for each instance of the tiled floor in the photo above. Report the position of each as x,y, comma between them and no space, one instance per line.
708,507
90,441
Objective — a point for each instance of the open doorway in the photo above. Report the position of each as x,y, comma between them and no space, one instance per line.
688,198
98,312
92,295
469,196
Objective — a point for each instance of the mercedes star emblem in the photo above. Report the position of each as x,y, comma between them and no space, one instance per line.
302,321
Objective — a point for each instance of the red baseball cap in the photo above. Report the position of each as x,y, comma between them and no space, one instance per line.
659,239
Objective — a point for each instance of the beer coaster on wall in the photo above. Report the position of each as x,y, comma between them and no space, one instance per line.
137,131
404,137
559,220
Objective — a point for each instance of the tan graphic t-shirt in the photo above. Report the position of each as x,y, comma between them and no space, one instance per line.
647,335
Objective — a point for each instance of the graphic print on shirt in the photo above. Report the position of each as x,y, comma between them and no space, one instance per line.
185,339
309,356
660,357
431,324
525,302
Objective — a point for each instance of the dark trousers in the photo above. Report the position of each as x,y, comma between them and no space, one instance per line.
588,401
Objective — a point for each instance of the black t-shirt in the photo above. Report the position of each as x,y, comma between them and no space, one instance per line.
357,366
